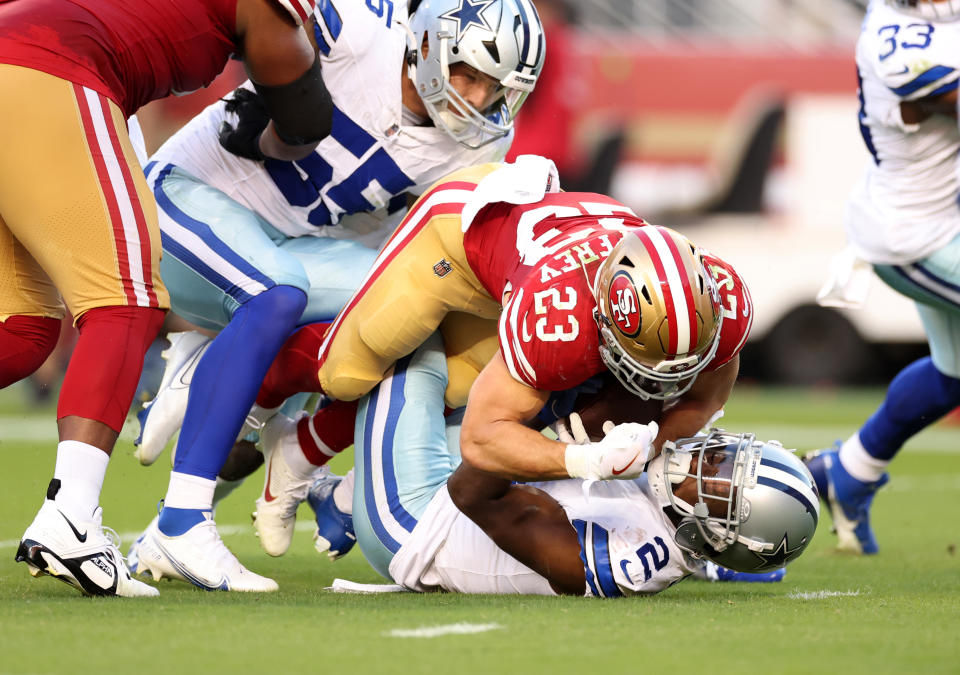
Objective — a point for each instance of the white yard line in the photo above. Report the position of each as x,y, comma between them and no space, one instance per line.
448,629
822,595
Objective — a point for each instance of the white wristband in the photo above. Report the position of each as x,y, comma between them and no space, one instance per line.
577,459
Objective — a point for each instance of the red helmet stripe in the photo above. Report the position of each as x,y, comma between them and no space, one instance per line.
658,267
687,290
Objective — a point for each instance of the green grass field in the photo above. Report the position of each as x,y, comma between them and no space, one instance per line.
895,612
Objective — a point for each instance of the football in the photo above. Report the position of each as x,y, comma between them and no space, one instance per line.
613,402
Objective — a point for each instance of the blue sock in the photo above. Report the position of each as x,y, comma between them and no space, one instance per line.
917,397
229,375
174,522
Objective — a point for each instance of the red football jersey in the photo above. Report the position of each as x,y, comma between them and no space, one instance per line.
131,51
542,259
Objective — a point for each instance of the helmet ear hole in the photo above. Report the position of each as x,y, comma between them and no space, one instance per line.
646,295
626,262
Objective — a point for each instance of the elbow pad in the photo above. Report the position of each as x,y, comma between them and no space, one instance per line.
302,111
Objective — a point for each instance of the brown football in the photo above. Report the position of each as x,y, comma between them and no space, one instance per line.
613,402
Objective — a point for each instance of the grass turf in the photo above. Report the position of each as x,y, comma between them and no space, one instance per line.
895,612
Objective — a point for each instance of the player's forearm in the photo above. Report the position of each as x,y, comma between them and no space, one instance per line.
511,450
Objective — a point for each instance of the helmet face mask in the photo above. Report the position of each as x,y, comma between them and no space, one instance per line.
746,505
931,10
502,39
658,313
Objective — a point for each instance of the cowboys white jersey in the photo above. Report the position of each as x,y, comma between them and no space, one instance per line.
905,206
371,157
626,545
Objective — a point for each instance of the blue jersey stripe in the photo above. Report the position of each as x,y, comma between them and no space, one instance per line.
862,116
948,87
205,233
924,79
602,563
800,497
581,527
321,41
331,19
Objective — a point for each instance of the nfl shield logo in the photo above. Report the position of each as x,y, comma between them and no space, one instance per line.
442,268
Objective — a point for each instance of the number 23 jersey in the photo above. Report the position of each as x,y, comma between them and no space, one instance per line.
542,260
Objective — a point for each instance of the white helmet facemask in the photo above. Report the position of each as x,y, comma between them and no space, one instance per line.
502,39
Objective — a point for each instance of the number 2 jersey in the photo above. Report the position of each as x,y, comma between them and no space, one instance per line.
626,546
904,207
359,174
542,259
131,51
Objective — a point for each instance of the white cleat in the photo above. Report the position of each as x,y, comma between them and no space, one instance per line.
133,553
162,417
79,553
197,556
283,489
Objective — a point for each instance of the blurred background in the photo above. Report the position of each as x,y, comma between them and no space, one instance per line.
734,121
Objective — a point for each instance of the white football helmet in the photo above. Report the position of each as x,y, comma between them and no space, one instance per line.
501,38
931,10
756,506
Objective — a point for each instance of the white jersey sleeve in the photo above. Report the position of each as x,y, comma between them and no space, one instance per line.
904,208
355,184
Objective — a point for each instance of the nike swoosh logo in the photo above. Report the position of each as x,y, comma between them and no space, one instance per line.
617,472
186,371
82,538
267,497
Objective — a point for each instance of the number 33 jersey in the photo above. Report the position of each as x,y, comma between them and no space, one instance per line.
542,260
361,172
905,208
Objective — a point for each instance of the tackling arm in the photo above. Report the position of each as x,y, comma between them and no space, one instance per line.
494,437
695,408
524,522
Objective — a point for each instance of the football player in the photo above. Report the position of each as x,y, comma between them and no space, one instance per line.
78,221
534,291
902,217
253,247
428,524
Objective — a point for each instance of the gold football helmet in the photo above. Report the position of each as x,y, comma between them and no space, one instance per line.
658,311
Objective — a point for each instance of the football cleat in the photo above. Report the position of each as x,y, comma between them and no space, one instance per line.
711,571
848,499
197,556
162,417
334,535
133,553
81,553
283,490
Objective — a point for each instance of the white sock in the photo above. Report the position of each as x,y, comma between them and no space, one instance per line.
80,469
343,494
189,492
293,455
859,463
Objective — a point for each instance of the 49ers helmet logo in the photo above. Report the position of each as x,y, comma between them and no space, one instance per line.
624,308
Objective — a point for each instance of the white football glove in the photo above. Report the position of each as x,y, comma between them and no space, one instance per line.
571,430
623,453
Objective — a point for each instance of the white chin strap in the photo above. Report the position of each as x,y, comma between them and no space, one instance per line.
678,468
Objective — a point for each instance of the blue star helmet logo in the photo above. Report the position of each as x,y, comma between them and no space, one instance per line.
469,14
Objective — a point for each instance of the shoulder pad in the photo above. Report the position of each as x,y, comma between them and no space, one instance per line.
299,10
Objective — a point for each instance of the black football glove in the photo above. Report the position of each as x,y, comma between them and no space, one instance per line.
252,118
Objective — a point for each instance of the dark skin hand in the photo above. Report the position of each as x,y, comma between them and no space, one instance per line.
523,521
915,112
